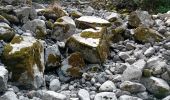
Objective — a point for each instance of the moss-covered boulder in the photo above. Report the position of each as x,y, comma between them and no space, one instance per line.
72,66
6,32
91,43
52,12
144,34
137,18
24,58
156,86
3,19
37,26
85,22
11,18
63,28
52,57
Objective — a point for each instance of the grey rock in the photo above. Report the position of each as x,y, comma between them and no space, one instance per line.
150,51
55,85
166,98
127,97
157,86
105,96
107,86
3,78
132,87
143,95
51,95
123,55
9,95
83,94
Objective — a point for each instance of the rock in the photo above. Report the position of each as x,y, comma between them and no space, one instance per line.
138,18
127,97
3,78
73,65
167,22
91,44
113,17
85,22
52,12
6,32
107,86
105,96
132,87
166,98
76,14
157,86
124,55
51,95
4,20
150,51
55,85
52,57
19,56
17,2
63,28
9,95
83,94
37,26
25,14
143,34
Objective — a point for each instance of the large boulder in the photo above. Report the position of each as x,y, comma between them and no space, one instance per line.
91,43
157,86
144,34
138,18
85,22
53,12
72,66
24,58
37,26
3,78
6,32
63,28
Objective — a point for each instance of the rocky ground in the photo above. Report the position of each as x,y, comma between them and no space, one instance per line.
73,52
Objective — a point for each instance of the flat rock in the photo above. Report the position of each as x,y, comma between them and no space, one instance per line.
105,96
51,95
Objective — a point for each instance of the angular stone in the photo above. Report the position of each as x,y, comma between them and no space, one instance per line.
52,57
137,18
132,87
72,66
107,86
157,86
127,97
63,28
85,22
6,32
9,95
3,78
55,85
91,44
51,95
104,95
24,57
83,94
145,35
37,26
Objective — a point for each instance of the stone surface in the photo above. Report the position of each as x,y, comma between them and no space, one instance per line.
105,96
157,86
127,97
63,28
9,95
83,94
55,85
85,22
26,67
51,95
107,86
3,78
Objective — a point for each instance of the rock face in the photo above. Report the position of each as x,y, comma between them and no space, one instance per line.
51,95
104,95
24,57
9,95
37,26
73,65
91,44
143,34
137,18
85,22
6,32
63,28
3,79
157,86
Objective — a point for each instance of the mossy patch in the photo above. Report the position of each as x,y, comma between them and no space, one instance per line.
89,34
53,59
40,32
147,72
16,39
8,35
23,60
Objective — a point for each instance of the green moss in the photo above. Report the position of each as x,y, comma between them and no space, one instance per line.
91,35
8,35
65,27
147,73
49,24
40,33
162,92
16,39
11,18
53,59
23,60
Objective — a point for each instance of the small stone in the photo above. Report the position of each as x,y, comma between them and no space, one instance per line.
166,98
167,22
123,55
51,95
3,78
105,96
9,95
55,85
83,94
107,86
127,97
149,51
